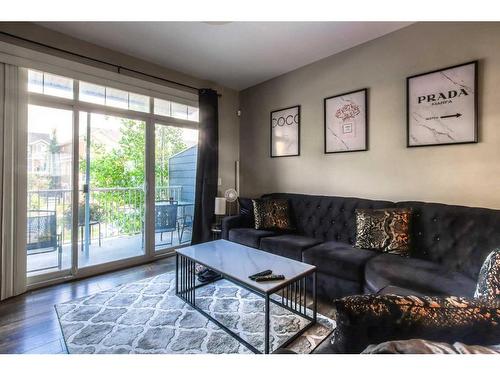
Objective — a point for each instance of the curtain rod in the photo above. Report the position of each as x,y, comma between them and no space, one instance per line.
118,67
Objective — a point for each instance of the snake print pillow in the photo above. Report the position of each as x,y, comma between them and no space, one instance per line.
488,283
271,214
372,319
384,229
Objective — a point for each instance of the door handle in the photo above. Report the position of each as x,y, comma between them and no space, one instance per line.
85,188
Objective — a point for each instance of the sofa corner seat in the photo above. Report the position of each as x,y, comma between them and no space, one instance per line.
418,276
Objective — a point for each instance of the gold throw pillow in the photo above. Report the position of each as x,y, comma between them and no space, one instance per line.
271,214
386,230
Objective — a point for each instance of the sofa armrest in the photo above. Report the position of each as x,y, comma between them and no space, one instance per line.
231,222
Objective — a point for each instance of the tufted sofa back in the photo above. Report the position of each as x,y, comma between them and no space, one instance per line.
457,237
327,218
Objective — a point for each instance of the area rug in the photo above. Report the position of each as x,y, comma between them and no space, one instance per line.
147,317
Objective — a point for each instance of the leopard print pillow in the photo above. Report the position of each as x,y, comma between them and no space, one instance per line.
488,284
272,214
384,229
372,319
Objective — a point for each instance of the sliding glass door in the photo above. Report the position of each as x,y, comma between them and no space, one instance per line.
49,189
112,196
176,151
110,177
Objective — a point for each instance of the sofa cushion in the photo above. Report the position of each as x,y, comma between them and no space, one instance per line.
329,287
249,236
426,278
339,259
288,245
232,222
372,319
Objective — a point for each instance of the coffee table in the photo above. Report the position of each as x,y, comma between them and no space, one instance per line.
235,263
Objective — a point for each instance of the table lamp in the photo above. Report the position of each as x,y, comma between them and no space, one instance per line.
220,209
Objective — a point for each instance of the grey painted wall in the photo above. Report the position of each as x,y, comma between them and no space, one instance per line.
228,102
458,174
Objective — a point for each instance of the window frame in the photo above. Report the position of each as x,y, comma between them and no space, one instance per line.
45,99
79,70
150,119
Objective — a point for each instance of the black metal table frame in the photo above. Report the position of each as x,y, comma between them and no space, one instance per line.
292,294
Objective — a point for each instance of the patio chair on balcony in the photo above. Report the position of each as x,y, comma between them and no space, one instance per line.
42,236
96,213
186,223
165,220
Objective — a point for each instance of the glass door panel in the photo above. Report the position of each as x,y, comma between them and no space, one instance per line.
49,211
176,153
111,185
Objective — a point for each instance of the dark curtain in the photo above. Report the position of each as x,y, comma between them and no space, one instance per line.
207,166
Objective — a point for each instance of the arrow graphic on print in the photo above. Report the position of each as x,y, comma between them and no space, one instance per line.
457,115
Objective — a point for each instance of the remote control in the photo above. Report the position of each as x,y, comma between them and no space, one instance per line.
263,273
270,278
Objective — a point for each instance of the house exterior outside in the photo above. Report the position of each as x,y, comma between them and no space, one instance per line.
182,172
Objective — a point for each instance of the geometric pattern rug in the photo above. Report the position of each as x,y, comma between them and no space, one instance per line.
146,317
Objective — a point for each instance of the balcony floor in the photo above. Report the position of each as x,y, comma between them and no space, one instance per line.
111,249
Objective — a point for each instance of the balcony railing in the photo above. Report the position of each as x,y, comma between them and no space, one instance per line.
120,210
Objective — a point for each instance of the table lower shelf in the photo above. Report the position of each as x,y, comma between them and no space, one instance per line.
292,297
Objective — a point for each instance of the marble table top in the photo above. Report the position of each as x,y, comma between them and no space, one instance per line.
239,261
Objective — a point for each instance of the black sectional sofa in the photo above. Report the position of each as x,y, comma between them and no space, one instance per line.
449,245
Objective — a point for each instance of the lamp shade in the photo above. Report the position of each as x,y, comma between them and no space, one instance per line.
220,206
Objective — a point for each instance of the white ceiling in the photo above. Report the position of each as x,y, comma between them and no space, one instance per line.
234,54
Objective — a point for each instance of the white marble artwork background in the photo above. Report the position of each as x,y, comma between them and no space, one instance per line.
425,123
285,132
346,134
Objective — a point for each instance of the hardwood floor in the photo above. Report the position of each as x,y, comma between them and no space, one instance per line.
28,323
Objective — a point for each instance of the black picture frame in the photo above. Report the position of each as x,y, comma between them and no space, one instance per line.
271,131
475,106
325,100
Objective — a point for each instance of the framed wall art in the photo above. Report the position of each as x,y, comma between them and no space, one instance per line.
285,132
442,106
346,122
